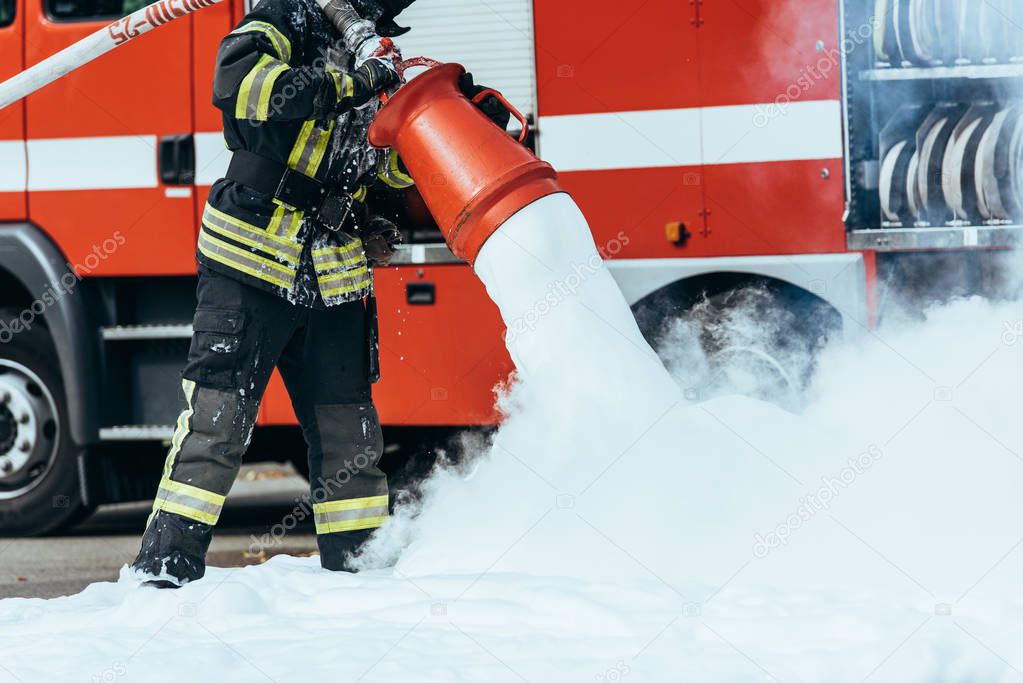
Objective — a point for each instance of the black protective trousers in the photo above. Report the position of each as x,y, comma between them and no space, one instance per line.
240,334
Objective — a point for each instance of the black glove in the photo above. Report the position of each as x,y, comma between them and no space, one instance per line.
491,106
383,13
380,240
371,78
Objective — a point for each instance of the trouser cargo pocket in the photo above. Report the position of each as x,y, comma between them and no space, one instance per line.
214,356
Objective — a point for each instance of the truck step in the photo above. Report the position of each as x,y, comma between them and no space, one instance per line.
137,433
146,332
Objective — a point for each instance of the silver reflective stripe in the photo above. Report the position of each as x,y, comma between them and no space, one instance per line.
264,269
188,501
307,153
288,223
350,515
288,251
352,251
252,104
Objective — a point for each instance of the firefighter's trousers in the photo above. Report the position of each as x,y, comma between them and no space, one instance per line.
240,334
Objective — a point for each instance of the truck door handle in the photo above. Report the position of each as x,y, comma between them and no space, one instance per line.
421,293
177,159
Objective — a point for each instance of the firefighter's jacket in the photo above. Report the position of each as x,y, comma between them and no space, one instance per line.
283,85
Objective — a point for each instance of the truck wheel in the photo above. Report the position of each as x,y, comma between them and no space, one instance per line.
759,340
39,489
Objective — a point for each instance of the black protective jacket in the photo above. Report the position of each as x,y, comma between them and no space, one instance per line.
283,83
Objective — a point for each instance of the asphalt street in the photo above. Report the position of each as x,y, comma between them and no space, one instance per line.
98,548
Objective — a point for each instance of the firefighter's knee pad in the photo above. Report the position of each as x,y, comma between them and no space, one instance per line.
218,426
351,442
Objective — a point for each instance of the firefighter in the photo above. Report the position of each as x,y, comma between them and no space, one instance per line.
285,252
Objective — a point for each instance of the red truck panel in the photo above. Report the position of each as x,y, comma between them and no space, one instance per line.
753,51
439,363
747,56
12,203
776,56
208,28
614,56
115,109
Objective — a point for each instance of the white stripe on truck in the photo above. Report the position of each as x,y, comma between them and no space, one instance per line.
691,137
12,166
578,142
211,158
103,163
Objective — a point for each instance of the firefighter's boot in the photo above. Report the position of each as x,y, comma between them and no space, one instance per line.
173,550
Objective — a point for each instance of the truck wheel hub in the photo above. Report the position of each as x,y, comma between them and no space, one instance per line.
29,429
8,430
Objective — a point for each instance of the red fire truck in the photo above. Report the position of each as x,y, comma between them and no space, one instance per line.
714,145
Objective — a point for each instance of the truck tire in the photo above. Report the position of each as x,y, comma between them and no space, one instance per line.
756,339
39,487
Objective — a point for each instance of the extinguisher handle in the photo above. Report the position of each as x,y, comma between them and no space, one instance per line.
490,92
402,66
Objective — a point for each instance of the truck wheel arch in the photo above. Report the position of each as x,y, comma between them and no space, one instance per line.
56,296
682,295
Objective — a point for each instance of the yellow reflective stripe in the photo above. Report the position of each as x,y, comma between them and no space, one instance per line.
319,151
290,246
344,85
309,149
255,243
347,275
350,504
396,169
273,265
389,172
244,261
280,42
360,194
347,289
351,525
190,513
193,491
343,249
285,222
337,83
241,106
181,430
266,90
300,143
194,503
350,261
347,515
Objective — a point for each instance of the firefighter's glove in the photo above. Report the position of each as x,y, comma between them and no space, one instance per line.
490,105
380,239
374,76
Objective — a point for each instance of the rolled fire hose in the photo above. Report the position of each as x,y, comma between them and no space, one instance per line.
96,45
958,175
359,36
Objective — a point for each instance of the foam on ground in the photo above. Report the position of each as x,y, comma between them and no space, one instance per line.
616,531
